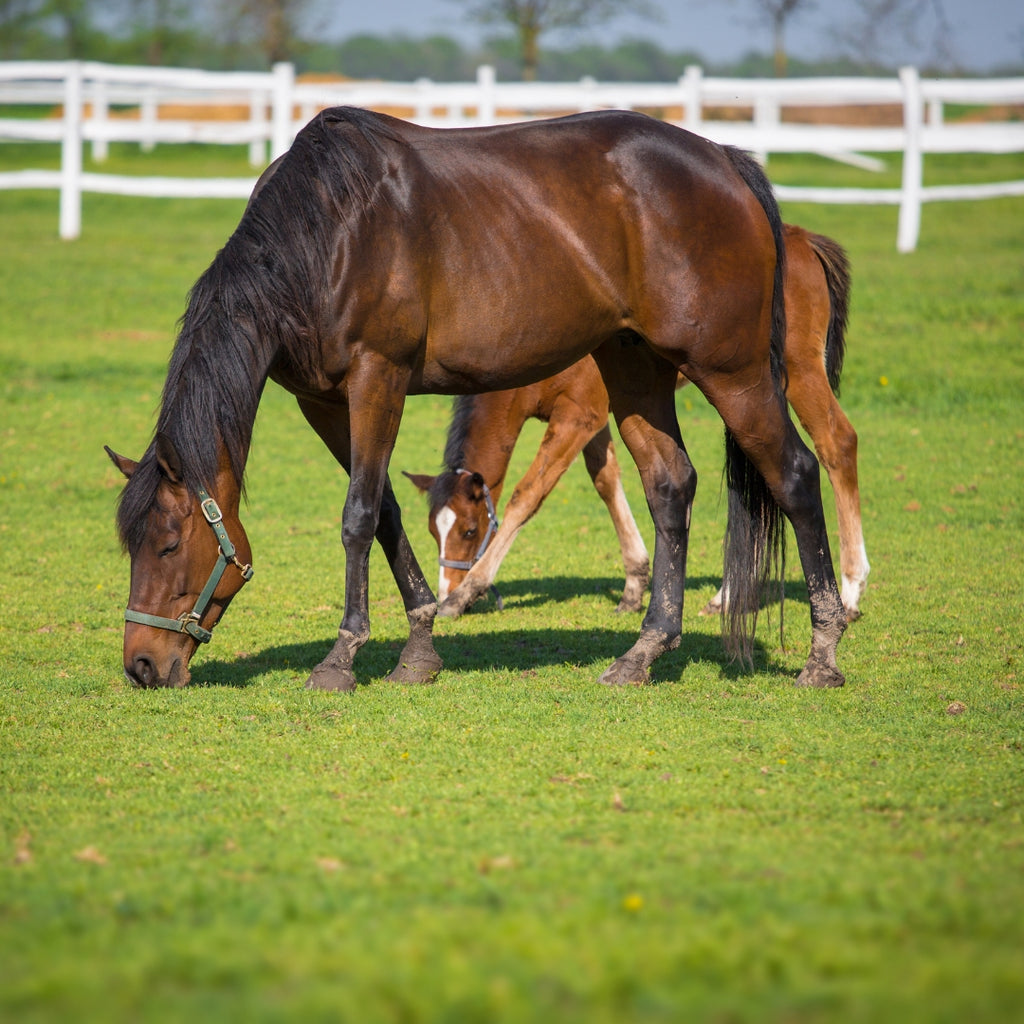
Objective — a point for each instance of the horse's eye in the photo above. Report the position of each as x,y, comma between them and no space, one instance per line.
170,549
470,533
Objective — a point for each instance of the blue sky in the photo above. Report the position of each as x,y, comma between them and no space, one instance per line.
984,33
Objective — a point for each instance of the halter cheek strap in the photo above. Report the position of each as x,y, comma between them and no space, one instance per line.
492,529
189,622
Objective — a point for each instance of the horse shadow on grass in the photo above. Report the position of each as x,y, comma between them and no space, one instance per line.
511,648
531,593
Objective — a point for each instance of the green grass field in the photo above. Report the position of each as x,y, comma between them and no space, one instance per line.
514,843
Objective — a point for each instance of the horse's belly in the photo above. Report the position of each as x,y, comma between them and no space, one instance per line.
492,361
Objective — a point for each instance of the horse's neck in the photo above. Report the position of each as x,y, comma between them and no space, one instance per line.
493,430
215,434
227,489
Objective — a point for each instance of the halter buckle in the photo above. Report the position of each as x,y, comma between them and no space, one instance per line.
211,511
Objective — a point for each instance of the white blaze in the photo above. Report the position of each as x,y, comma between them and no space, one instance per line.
444,521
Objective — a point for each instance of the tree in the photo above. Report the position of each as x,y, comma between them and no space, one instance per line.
272,24
19,20
882,29
156,23
530,19
778,12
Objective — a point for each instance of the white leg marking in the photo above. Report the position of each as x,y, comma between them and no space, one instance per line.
854,586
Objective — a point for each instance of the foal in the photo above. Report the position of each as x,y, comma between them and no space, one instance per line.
574,404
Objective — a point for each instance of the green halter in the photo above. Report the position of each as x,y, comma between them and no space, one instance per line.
189,622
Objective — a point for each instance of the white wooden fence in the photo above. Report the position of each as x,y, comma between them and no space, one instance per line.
102,103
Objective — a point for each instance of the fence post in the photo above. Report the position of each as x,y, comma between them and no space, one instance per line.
690,83
588,84
284,81
913,163
486,108
100,113
149,114
423,111
71,154
258,120
767,118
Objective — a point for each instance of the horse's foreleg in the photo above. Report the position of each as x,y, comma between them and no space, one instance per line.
641,391
603,467
563,439
418,662
363,518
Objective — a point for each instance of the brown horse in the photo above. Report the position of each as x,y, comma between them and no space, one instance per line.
378,259
574,405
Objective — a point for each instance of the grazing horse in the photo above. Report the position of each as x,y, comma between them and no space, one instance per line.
574,405
377,259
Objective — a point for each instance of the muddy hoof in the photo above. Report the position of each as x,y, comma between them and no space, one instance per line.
451,609
820,676
627,605
852,614
713,607
625,672
331,677
412,673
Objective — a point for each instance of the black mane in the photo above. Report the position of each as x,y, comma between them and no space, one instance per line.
258,304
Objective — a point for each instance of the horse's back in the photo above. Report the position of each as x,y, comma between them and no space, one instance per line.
491,257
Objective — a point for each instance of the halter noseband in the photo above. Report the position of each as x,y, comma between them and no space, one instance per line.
492,529
189,622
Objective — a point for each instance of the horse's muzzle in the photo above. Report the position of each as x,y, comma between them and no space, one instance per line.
142,671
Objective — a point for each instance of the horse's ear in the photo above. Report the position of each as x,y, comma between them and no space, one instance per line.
168,458
126,466
421,481
477,483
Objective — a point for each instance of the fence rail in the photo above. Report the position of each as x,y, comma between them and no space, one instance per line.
103,103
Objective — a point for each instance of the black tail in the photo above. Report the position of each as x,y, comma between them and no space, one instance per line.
836,265
755,535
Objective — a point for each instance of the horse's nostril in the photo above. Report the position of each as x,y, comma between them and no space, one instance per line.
142,671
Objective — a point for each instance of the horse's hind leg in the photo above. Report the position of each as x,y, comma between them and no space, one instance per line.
418,662
835,442
603,467
760,425
641,392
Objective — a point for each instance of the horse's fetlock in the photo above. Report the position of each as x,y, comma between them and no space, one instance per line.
422,617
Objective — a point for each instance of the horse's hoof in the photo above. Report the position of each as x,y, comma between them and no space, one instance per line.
415,673
713,607
454,605
625,672
852,614
624,607
331,678
820,676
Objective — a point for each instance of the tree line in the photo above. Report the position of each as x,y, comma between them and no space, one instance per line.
253,34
